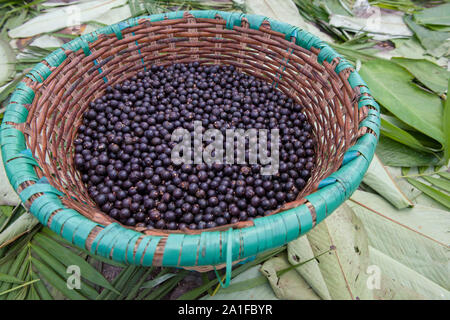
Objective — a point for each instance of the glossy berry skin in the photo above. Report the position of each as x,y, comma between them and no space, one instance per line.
123,148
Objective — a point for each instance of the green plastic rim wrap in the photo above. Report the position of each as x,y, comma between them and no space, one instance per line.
208,248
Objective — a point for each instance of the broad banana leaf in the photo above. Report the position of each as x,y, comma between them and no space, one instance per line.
249,285
290,285
340,273
283,10
392,290
7,59
405,282
379,179
7,194
60,18
418,237
19,227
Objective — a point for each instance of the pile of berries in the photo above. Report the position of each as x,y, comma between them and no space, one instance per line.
124,145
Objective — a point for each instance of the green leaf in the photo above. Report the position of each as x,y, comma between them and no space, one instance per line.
396,154
438,15
60,18
131,282
417,196
444,174
18,287
342,7
439,28
6,211
244,285
8,89
446,126
400,282
56,281
67,257
8,278
41,289
409,191
290,285
256,285
396,122
135,7
119,283
32,294
149,287
389,25
391,86
16,247
7,59
430,74
284,11
353,54
61,271
431,192
435,42
9,213
249,285
166,287
16,20
341,273
24,224
409,48
415,237
440,183
398,5
13,269
379,179
134,291
157,281
7,194
21,274
195,293
404,137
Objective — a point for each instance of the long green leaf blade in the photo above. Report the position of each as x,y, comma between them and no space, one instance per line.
56,281
427,72
118,283
417,237
443,184
444,174
395,154
431,192
391,86
404,137
24,224
14,268
157,281
41,289
61,269
165,288
439,15
197,292
9,278
131,283
446,126
67,257
18,287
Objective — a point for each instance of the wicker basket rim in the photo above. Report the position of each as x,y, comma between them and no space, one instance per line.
114,241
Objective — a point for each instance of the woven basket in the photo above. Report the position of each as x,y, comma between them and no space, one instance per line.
46,109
